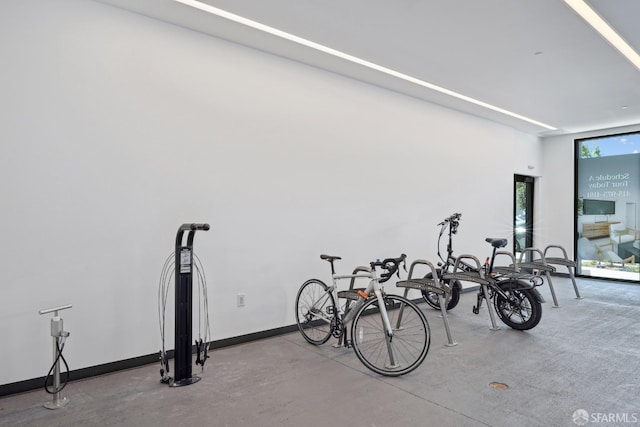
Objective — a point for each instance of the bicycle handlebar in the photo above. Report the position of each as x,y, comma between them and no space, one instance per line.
453,220
391,265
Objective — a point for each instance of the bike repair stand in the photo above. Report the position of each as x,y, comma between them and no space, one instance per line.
183,310
58,333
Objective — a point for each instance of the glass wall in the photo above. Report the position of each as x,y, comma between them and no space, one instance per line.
608,206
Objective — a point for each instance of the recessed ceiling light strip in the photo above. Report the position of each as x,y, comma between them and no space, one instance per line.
601,26
308,43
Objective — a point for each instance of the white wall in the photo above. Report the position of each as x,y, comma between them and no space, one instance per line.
116,129
557,187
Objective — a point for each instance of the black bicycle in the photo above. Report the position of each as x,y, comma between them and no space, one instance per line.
446,265
513,292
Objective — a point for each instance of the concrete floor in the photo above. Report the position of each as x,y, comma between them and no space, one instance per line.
584,355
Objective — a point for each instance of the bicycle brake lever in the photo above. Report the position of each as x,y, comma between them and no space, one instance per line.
404,265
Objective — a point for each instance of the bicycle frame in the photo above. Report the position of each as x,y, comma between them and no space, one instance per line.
374,287
365,319
458,264
492,282
347,315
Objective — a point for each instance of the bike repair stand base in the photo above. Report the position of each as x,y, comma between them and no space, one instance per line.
57,333
187,381
183,354
57,403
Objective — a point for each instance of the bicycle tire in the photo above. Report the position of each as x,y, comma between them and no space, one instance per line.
431,298
410,343
315,310
522,311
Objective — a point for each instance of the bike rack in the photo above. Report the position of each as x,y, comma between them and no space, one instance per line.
564,261
351,295
434,285
546,264
476,277
539,265
512,270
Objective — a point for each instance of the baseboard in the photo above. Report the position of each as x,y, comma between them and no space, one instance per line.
36,383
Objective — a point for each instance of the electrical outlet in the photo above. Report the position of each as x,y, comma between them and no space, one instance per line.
240,300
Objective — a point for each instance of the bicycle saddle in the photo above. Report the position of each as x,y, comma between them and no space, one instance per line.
497,243
329,258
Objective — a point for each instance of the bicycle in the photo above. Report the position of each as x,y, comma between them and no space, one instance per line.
515,297
445,265
389,333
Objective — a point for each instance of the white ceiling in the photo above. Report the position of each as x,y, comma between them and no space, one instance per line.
536,58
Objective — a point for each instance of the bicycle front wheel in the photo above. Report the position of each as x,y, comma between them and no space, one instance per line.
315,309
395,353
431,298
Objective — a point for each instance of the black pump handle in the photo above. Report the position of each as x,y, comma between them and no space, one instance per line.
192,231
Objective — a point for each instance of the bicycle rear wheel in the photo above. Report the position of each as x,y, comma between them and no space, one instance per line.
521,310
315,309
408,344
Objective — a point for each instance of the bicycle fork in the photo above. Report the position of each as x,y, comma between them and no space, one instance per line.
388,336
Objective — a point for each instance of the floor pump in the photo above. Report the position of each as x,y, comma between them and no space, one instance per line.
59,336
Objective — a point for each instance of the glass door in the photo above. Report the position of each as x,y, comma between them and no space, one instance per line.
522,213
607,216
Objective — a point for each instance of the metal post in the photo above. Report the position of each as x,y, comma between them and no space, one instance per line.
183,305
553,291
443,309
494,326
